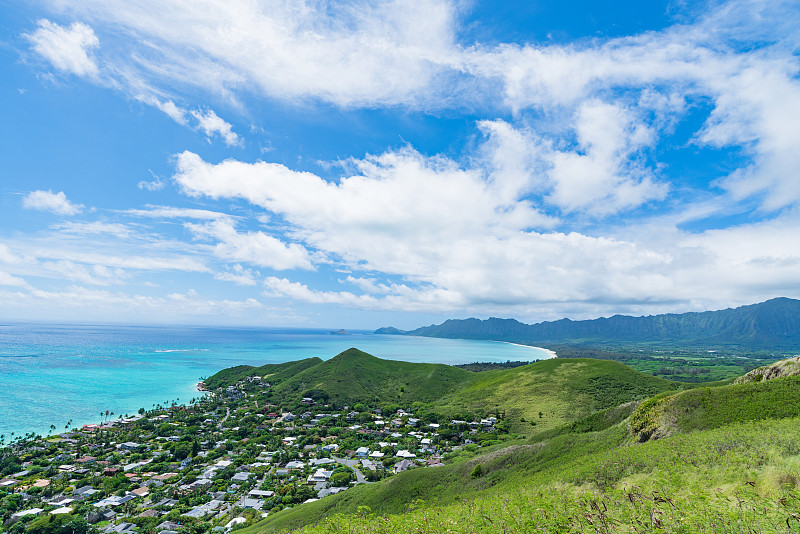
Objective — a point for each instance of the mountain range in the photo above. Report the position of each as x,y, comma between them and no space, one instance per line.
770,325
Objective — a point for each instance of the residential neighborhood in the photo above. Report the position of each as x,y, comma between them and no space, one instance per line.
222,462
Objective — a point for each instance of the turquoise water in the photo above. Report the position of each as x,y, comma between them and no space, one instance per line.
52,374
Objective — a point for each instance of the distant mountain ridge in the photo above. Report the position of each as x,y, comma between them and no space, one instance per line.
774,324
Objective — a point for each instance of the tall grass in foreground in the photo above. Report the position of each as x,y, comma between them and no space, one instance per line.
742,478
554,509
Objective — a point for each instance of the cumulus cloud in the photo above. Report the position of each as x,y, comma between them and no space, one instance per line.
67,48
524,217
256,248
48,201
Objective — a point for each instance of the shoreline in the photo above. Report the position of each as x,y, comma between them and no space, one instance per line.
551,353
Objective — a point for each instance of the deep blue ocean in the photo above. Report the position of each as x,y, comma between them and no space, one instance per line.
54,374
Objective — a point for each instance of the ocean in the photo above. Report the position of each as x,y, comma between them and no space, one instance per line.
66,375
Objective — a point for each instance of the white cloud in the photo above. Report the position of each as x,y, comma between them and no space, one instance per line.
67,48
10,280
210,124
348,53
172,212
205,120
497,227
8,257
94,228
603,176
49,201
256,248
76,272
238,275
168,107
105,305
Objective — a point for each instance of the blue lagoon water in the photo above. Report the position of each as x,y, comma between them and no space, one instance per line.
52,374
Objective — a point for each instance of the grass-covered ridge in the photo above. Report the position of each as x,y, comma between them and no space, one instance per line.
530,398
549,393
355,376
728,457
273,371
739,478
713,407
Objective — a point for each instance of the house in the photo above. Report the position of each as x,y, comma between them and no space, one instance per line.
404,466
405,454
241,477
129,446
321,475
295,464
308,401
23,513
260,494
61,501
204,509
255,504
84,491
362,452
123,528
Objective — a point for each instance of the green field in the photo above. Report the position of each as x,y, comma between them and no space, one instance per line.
729,462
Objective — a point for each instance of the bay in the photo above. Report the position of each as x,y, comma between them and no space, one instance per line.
67,375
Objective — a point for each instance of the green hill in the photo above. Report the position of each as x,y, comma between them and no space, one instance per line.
274,372
355,376
713,407
732,464
548,393
770,325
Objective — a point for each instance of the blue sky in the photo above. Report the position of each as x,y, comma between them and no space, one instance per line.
360,164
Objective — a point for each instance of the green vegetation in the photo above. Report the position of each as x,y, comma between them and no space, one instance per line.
706,407
574,445
730,462
274,372
549,393
477,367
355,376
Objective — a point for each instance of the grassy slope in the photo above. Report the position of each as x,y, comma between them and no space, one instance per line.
706,407
717,480
740,478
355,376
733,465
567,390
275,371
562,390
